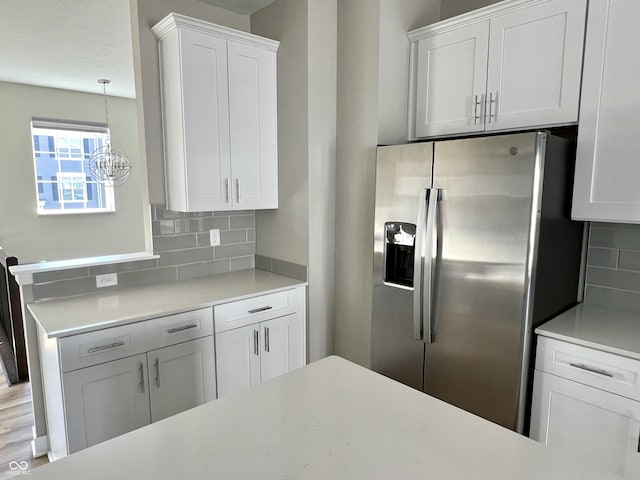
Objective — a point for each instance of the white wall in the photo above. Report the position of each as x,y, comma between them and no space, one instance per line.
302,229
357,136
396,19
322,174
373,78
33,238
451,8
284,233
144,15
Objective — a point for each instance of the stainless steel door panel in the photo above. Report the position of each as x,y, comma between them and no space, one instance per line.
402,172
485,220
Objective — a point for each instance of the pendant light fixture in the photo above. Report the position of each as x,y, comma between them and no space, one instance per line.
108,165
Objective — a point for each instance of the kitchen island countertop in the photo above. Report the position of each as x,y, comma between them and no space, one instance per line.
86,313
329,420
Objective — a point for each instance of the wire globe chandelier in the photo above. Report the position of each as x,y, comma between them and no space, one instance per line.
107,165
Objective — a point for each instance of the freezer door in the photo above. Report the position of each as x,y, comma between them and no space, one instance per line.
484,222
402,175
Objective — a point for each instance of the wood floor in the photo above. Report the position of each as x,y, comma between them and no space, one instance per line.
16,422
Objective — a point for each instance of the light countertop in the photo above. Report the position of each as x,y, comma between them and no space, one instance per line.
70,316
329,420
602,328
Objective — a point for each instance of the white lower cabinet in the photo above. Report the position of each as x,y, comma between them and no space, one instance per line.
181,377
105,383
582,422
117,397
237,359
267,347
106,400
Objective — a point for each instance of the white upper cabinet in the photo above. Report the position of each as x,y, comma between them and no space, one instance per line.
535,64
451,80
608,152
252,118
513,65
219,116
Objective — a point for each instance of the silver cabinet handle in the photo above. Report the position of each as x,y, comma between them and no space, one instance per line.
261,309
476,108
599,371
157,365
106,347
226,190
182,328
237,190
431,234
255,343
492,104
141,369
266,339
418,261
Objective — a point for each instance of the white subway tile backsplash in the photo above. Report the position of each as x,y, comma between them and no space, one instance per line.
603,257
182,241
613,272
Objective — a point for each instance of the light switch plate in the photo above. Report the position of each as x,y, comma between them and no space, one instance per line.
106,280
214,236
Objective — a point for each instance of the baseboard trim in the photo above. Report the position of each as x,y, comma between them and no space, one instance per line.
40,446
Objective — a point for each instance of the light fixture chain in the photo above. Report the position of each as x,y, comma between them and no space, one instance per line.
106,109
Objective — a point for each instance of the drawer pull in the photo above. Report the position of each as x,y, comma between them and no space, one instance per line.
599,371
261,309
105,347
157,365
182,328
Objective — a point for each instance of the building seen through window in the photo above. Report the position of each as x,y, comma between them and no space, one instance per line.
61,154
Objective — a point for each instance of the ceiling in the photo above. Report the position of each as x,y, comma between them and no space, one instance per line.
70,44
246,7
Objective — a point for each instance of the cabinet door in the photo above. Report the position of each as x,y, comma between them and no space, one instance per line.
535,64
253,126
282,343
106,400
237,359
182,376
451,81
587,425
196,122
607,166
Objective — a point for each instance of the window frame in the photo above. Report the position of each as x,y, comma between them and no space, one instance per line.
104,194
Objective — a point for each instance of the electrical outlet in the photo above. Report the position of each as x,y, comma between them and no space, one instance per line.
106,280
214,236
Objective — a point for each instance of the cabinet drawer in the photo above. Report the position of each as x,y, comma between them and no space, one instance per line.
178,328
91,348
257,309
606,371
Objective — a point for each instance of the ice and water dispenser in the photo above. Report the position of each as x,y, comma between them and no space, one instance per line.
399,250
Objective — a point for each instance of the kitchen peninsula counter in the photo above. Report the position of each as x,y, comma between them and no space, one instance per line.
329,420
86,313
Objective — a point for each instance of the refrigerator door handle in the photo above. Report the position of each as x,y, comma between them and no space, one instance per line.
418,262
429,261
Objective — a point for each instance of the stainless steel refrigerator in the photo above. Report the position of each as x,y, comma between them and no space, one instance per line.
473,249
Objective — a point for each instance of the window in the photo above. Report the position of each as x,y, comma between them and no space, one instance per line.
61,153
